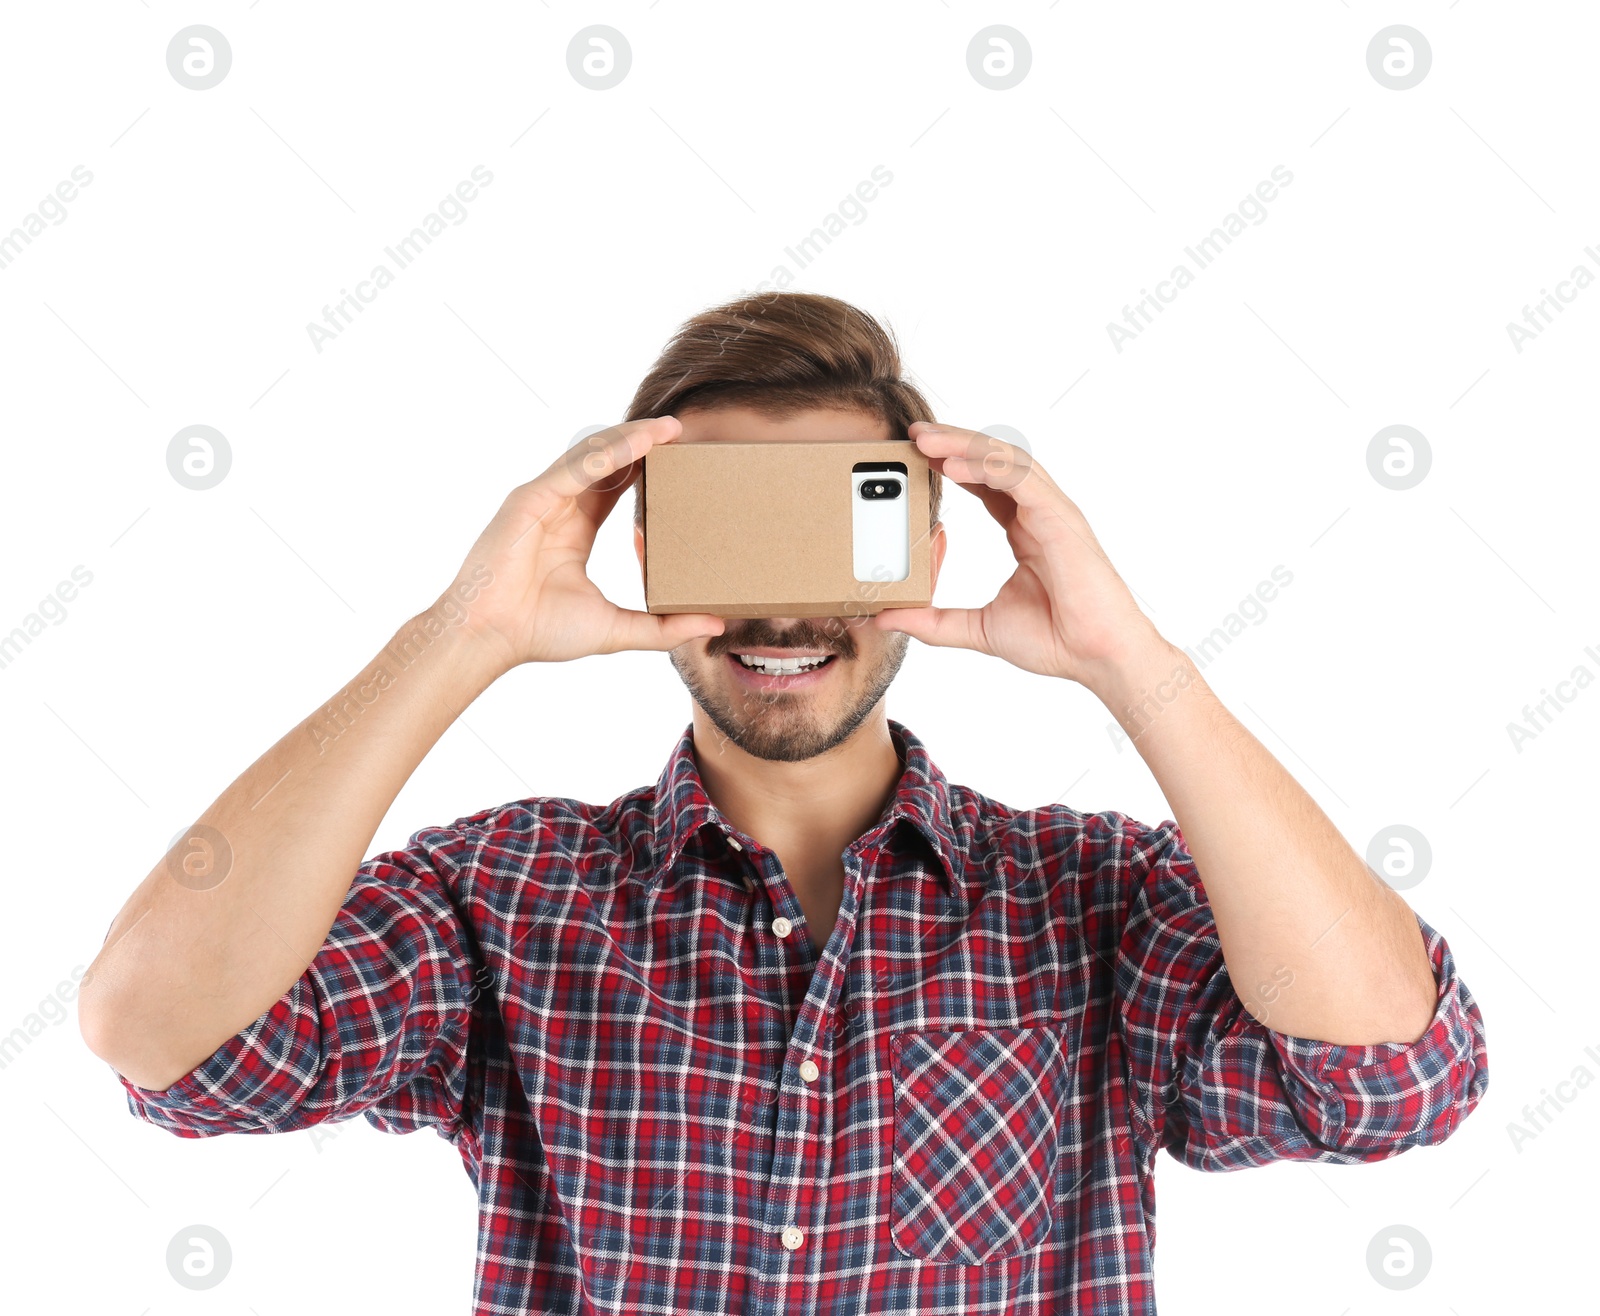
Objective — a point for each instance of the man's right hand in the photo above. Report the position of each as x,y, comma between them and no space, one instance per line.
192,958
539,604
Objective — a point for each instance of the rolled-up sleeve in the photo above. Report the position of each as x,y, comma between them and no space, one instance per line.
1222,1090
377,1025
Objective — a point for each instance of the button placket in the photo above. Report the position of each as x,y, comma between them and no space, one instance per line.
780,925
794,1192
744,873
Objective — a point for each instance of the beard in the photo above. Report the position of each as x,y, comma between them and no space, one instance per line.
783,728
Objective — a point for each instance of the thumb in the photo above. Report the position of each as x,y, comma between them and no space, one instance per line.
948,627
645,630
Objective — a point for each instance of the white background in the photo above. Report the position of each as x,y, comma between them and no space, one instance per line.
1229,438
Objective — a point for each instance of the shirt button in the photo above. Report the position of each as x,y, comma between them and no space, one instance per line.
809,1070
781,927
792,1238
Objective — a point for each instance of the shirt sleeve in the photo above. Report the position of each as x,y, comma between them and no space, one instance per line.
1221,1090
377,1025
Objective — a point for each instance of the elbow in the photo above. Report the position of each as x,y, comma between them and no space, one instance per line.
96,1024
130,1049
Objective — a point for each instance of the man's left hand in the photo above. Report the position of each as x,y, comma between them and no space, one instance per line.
1064,611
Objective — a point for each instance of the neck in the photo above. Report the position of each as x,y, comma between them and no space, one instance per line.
809,811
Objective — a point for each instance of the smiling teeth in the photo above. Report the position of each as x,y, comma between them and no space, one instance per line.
780,665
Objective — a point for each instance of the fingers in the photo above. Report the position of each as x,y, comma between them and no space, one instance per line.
1000,504
604,461
982,463
597,501
591,475
1006,479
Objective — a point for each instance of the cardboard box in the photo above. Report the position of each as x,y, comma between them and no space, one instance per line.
768,529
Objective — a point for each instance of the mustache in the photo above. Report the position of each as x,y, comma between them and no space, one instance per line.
759,634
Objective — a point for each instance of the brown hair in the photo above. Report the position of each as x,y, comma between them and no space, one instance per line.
779,353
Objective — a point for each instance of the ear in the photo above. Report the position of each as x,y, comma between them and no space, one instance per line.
936,547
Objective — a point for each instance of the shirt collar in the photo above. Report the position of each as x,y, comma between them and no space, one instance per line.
921,798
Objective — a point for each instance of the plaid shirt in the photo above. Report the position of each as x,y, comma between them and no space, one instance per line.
668,1102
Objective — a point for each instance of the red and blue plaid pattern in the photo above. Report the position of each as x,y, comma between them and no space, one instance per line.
975,1141
665,1105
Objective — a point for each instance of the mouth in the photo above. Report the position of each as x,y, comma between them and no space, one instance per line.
771,670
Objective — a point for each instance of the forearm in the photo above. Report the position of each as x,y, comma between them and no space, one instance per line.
222,927
1295,906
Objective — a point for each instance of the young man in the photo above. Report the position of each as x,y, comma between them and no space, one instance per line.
802,1025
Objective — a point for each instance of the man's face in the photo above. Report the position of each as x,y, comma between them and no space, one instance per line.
789,717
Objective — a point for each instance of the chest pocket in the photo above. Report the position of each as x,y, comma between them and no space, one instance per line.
975,1141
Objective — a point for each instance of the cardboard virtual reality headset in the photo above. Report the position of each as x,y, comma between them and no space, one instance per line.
786,529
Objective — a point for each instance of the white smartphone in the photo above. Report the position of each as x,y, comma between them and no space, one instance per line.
880,525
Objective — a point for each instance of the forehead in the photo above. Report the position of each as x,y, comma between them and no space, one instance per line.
744,425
